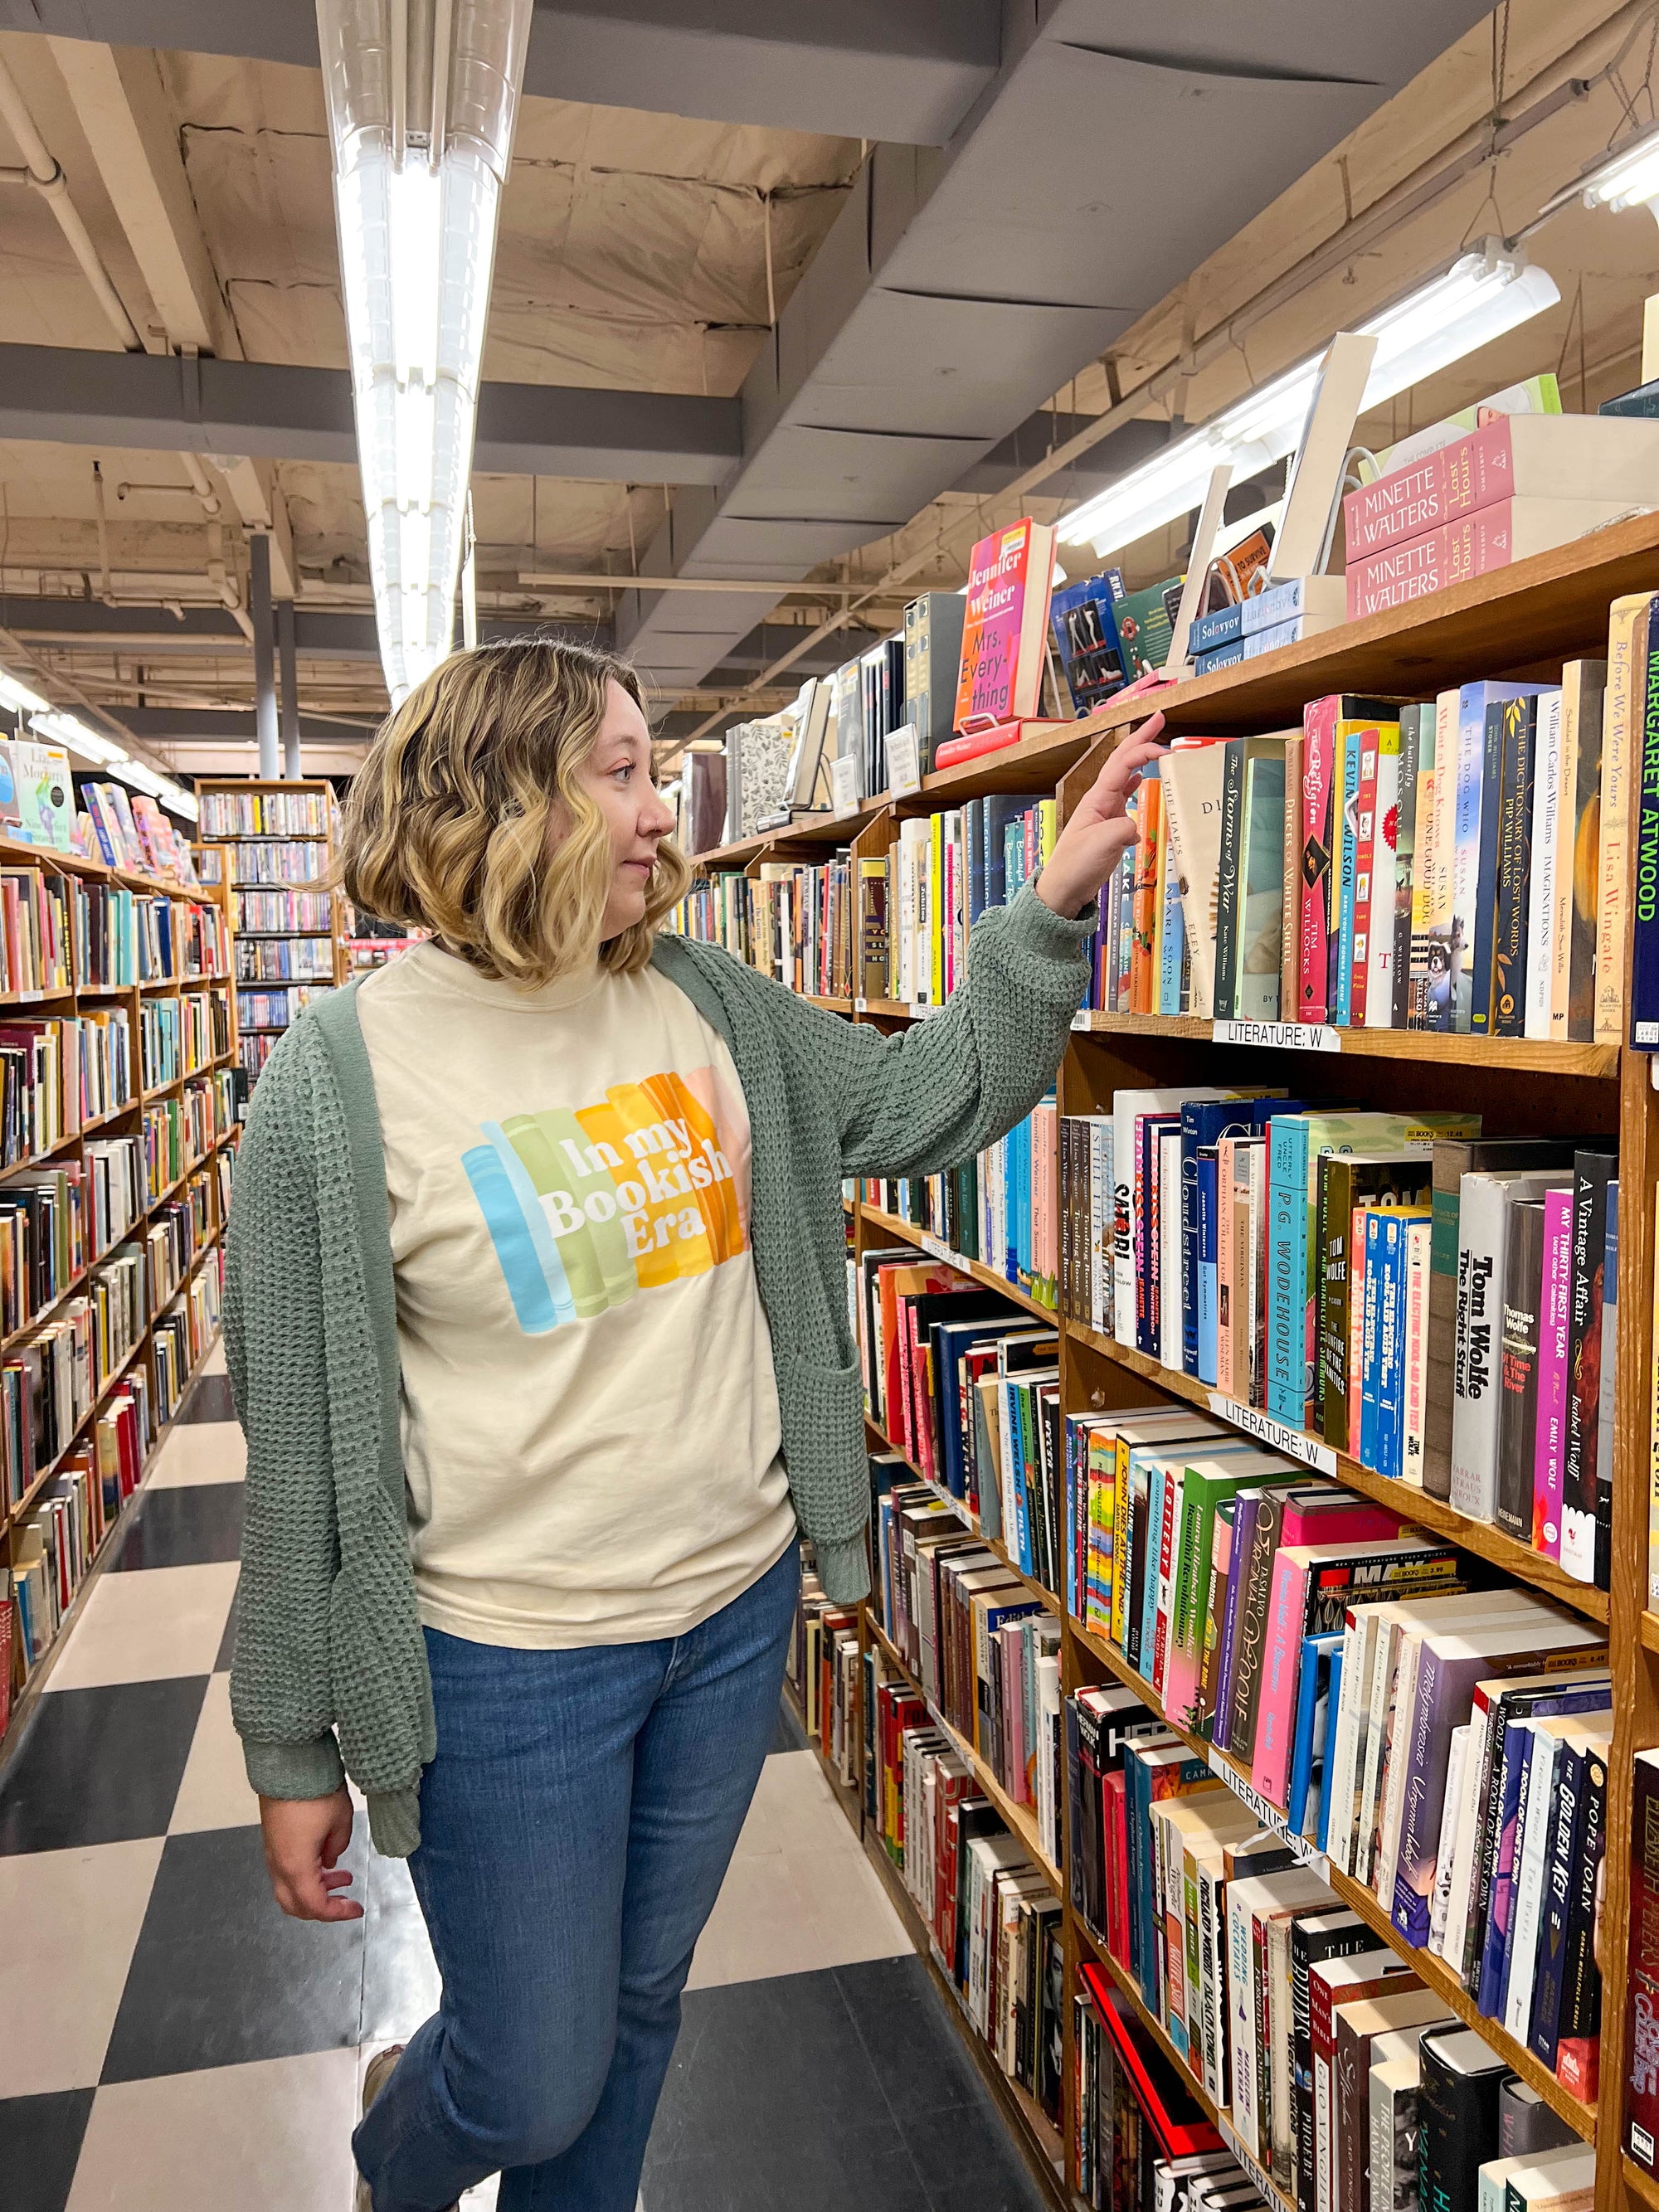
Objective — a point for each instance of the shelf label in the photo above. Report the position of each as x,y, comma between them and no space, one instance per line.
1080,1020
1260,2179
1295,1444
919,1010
1288,1037
860,1005
1268,1813
844,785
937,1248
903,762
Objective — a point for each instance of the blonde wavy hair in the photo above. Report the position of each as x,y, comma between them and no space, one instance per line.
467,816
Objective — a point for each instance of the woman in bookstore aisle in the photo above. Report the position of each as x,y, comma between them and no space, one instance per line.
536,1324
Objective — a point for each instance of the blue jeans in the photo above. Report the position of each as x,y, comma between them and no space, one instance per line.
575,1827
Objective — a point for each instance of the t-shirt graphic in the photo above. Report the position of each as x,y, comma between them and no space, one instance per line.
587,1207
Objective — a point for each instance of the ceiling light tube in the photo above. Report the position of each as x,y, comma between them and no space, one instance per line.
1482,296
18,698
1629,178
70,733
422,140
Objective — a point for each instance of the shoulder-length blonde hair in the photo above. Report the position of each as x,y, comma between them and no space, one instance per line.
468,819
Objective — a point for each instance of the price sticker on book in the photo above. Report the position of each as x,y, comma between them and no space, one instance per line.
1295,1444
903,763
1286,1036
844,784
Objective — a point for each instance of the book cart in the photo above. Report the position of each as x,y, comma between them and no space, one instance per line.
204,977
278,960
1520,623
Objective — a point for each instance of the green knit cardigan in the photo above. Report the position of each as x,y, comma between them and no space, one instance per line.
330,1671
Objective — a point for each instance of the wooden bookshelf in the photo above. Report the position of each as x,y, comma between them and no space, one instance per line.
1521,622
326,884
199,1178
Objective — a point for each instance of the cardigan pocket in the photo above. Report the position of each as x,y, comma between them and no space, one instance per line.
822,1406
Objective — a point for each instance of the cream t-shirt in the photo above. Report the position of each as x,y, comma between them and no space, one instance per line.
590,1420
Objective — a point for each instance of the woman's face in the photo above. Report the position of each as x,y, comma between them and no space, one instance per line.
617,777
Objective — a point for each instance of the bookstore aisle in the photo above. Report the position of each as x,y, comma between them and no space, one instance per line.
175,2045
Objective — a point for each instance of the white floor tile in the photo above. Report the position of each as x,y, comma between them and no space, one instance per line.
273,2136
799,1894
215,1362
140,1627
215,1792
71,1920
199,1451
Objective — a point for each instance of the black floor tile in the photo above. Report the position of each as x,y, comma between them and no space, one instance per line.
220,1976
910,2040
787,1736
968,2162
209,1400
100,1766
40,2143
861,2170
193,1525
750,2050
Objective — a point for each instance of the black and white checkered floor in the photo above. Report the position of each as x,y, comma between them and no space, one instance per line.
170,2042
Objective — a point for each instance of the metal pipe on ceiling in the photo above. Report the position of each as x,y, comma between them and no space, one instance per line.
46,176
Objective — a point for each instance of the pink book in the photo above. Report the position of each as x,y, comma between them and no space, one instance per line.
1223,1267
1467,546
1356,1323
1554,1329
1318,823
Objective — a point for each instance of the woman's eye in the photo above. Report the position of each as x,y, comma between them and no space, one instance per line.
625,771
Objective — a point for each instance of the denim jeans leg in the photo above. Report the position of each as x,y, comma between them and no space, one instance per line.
520,1874
696,1764
576,1827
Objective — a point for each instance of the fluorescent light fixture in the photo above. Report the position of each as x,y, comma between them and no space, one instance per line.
177,800
422,125
70,733
1628,179
1481,297
18,697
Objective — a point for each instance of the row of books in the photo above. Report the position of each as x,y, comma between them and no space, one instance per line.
1454,865
49,1384
253,1049
298,959
1141,2139
993,1919
981,1648
995,1209
179,1132
1283,2003
183,1334
179,1036
128,831
1440,1307
271,1009
263,814
292,913
122,938
55,1546
968,1390
892,926
264,861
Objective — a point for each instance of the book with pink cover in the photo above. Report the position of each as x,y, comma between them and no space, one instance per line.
1005,630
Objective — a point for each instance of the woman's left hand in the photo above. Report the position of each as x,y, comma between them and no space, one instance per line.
1101,829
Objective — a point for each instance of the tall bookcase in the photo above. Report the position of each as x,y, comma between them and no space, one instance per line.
299,946
180,1108
1519,623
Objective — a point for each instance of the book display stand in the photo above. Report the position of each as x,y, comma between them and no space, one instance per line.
1519,623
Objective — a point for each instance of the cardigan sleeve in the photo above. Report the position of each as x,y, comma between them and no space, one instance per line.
932,1096
280,1686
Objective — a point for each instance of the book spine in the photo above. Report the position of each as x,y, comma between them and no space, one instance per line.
1644,834
1229,888
1389,919
1355,746
1517,1378
1495,729
1592,1171
1583,700
1511,951
1422,869
1621,740
1554,1329
1318,821
1287,1233
1290,911
1391,1344
1480,1310
1578,2018
1547,914
1563,1845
